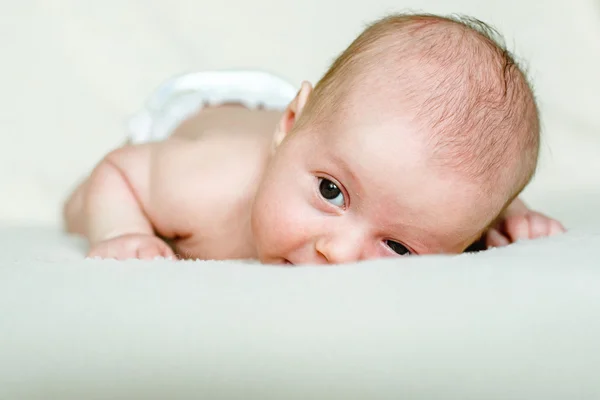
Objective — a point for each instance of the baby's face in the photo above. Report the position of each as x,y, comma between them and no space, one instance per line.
362,193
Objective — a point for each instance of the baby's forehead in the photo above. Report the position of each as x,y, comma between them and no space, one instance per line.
373,151
394,188
373,129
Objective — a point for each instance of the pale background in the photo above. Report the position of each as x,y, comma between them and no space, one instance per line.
71,73
519,322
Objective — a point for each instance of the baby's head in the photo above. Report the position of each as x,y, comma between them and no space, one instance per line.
413,142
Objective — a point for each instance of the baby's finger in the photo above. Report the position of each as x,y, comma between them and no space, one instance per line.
167,252
517,228
494,238
106,251
539,226
556,228
152,249
93,253
148,251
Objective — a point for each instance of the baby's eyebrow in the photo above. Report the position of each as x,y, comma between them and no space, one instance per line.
347,170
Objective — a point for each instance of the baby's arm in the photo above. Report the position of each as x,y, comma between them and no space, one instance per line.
122,201
117,191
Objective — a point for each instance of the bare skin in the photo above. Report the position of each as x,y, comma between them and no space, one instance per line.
213,161
223,186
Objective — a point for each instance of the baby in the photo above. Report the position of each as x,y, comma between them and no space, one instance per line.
417,140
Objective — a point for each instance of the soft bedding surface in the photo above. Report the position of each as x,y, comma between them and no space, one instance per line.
514,323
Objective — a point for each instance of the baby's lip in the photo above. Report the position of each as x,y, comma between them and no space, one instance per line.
288,262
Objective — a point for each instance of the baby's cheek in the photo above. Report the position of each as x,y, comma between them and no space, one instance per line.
270,216
289,217
284,215
290,224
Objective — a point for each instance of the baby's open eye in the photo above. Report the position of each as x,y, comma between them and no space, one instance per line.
331,192
397,247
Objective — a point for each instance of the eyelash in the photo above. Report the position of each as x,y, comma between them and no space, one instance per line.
408,251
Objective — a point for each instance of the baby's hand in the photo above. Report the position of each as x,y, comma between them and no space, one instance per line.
521,226
141,246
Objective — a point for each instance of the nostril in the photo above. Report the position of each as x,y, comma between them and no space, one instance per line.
319,253
322,258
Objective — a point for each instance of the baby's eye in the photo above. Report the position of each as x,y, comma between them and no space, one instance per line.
331,192
397,247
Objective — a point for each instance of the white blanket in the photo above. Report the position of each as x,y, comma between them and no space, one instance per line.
516,323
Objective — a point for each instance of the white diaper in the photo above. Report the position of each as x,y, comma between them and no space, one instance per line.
184,95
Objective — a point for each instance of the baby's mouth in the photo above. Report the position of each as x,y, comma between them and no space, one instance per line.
287,263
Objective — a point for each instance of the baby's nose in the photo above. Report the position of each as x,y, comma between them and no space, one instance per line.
341,249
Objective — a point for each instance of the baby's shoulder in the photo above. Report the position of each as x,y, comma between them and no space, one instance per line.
207,187
227,164
207,182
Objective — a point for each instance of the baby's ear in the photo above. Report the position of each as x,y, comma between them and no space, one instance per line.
292,112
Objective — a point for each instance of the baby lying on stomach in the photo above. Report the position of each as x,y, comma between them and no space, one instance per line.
417,140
